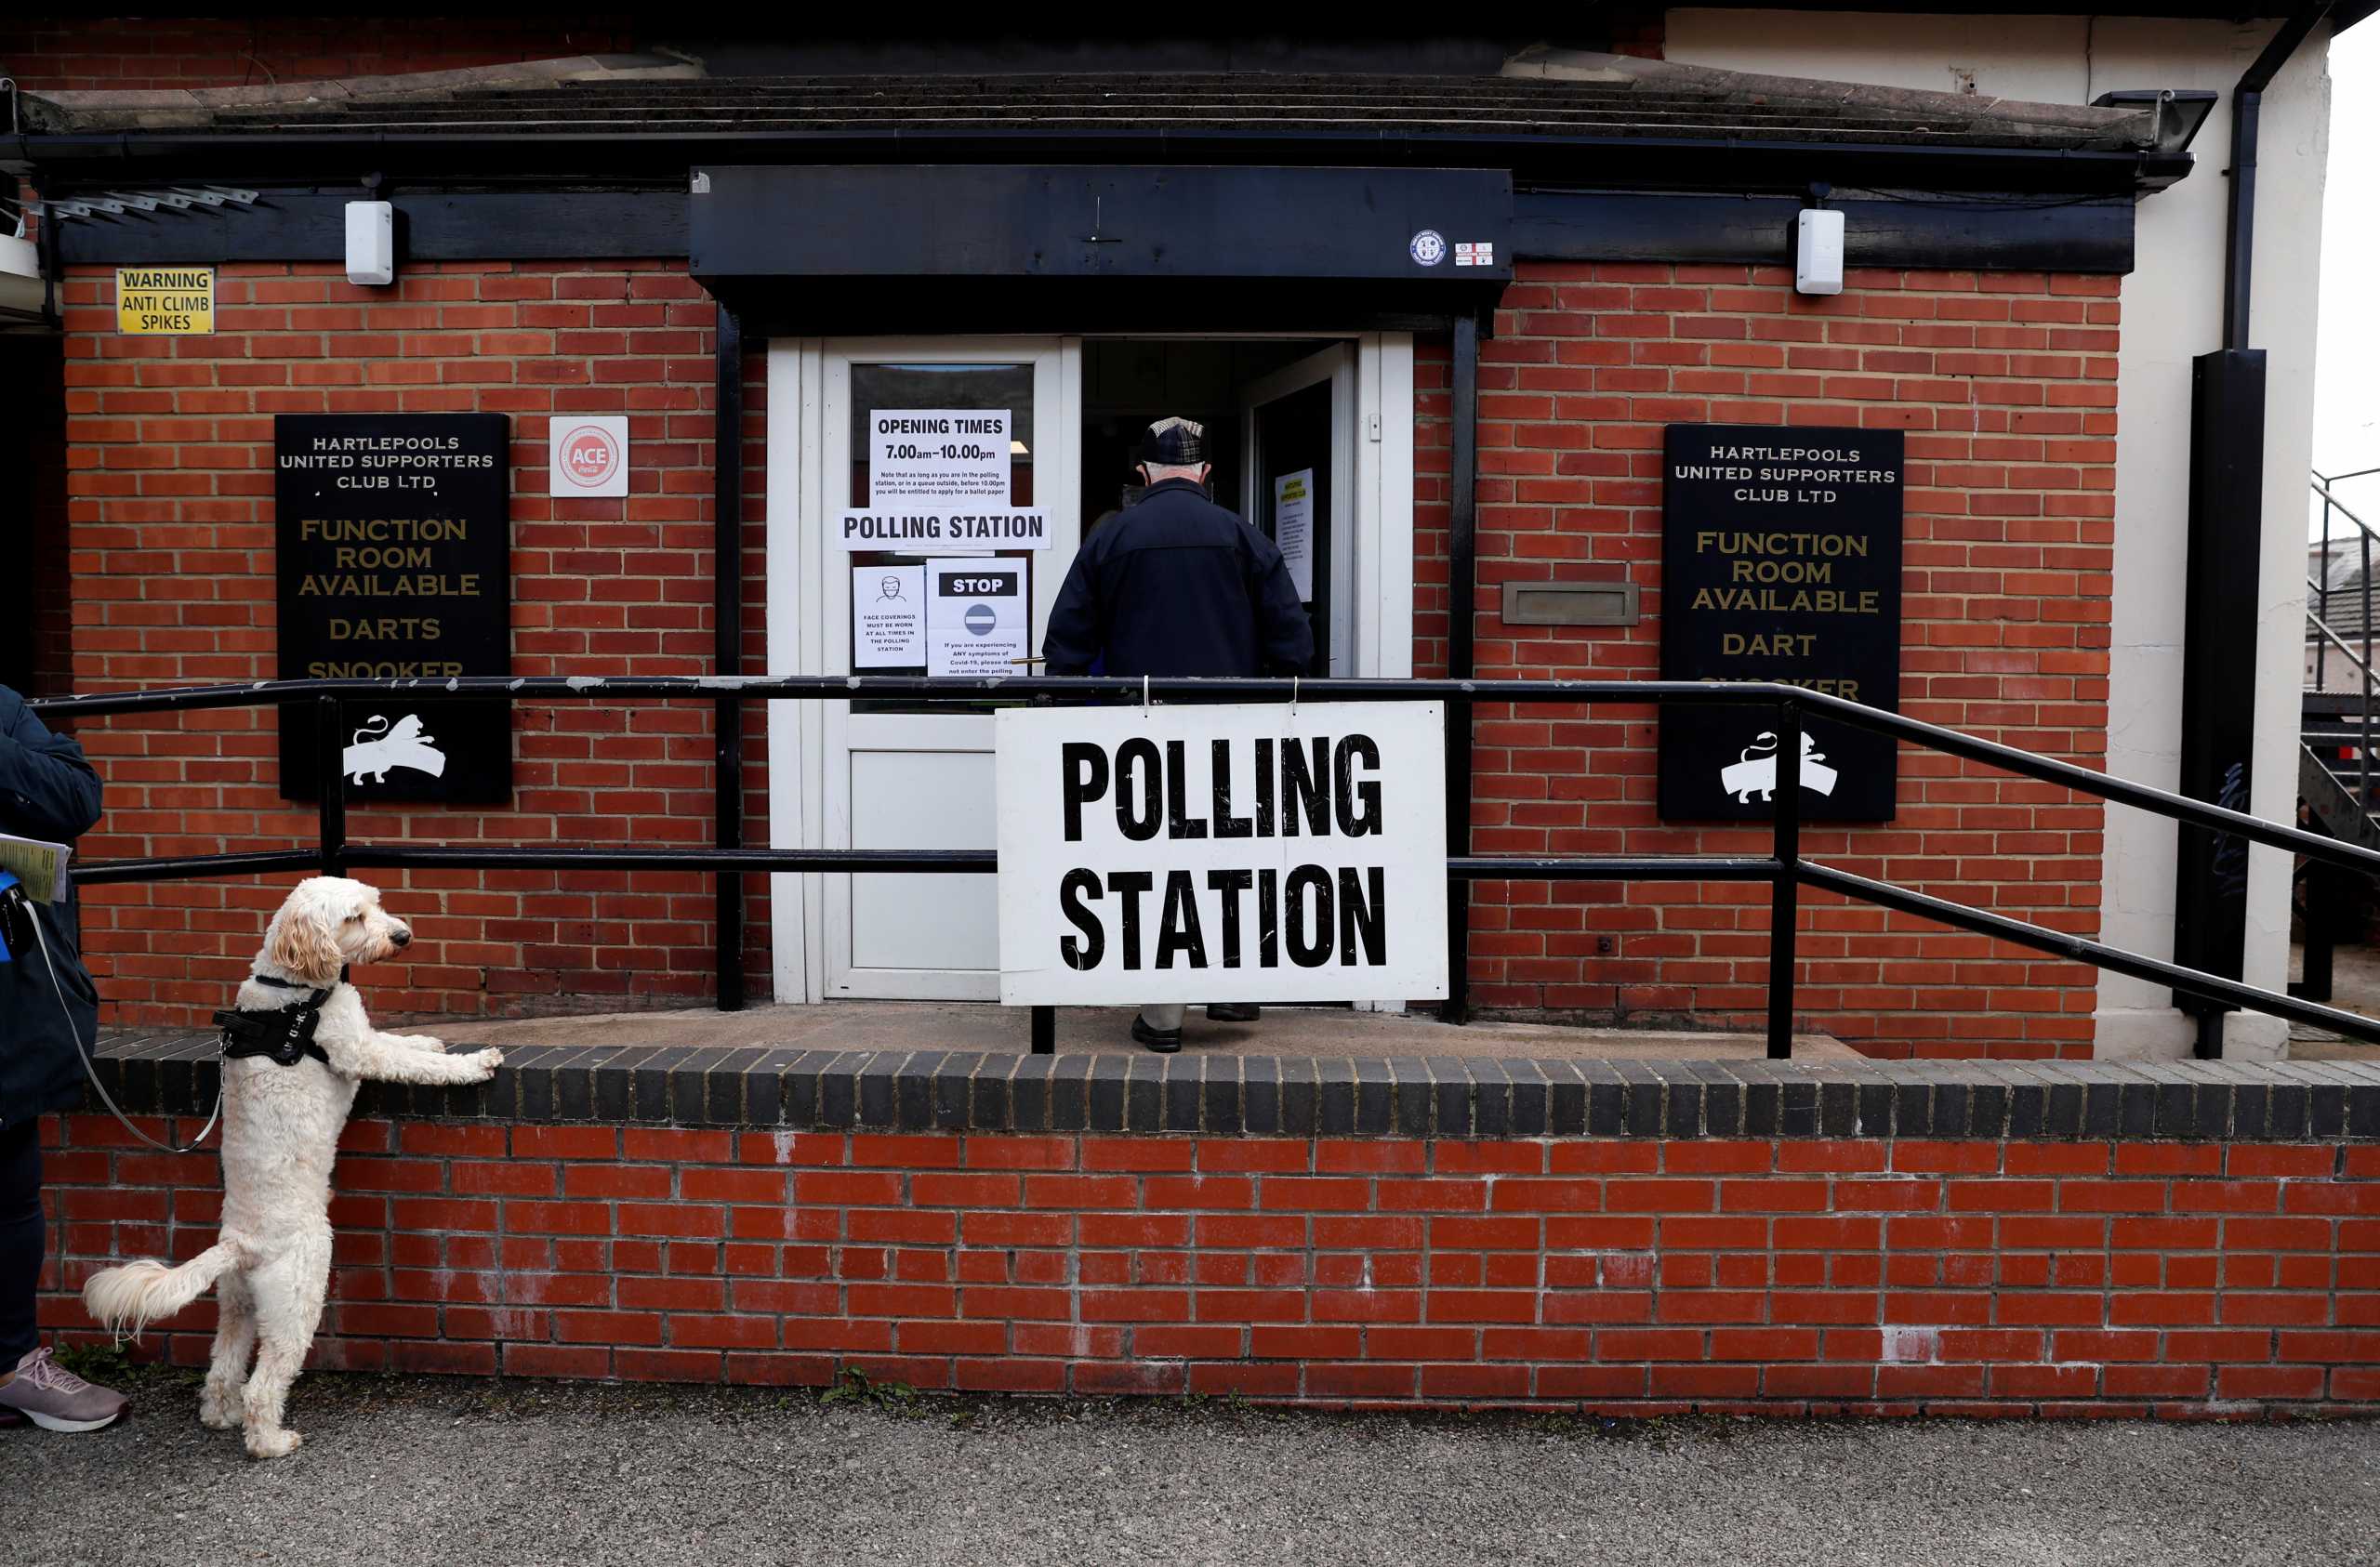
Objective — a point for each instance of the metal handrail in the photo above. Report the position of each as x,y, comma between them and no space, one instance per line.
2330,633
2320,616
1785,868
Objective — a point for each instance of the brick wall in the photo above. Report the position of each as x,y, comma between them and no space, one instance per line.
171,515
60,53
1637,1276
2004,384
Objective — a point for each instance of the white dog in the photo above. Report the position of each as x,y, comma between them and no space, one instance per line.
281,1128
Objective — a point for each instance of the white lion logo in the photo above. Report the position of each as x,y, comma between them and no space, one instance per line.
1755,770
401,744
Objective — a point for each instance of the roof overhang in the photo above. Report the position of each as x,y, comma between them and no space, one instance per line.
2342,17
1551,117
1139,245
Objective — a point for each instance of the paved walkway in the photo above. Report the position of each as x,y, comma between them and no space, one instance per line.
476,1474
2355,980
1299,1030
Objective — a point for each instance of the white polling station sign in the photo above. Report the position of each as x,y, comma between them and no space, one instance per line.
934,528
1151,855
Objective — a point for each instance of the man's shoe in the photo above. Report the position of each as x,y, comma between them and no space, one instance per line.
56,1400
1164,1041
1234,1012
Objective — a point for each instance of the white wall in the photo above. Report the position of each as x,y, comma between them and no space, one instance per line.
2173,310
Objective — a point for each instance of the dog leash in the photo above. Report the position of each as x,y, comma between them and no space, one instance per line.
92,1070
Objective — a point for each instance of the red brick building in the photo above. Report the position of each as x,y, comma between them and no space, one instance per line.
571,215
1474,298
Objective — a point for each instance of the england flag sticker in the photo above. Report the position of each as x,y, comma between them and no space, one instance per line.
1480,254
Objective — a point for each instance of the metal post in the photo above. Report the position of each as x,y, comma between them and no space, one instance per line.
2219,693
727,609
1784,897
330,760
2329,895
2323,570
1045,1031
2363,753
1462,569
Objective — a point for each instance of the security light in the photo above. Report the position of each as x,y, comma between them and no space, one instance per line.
22,293
2181,111
1818,252
371,242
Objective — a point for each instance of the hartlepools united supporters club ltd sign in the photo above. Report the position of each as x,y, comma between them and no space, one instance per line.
1780,561
392,543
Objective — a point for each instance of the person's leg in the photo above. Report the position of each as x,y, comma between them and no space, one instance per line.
32,1386
20,1242
1159,1029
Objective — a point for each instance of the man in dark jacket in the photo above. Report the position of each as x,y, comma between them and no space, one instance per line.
48,791
1176,584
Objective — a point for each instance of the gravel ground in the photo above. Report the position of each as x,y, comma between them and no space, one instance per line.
400,1471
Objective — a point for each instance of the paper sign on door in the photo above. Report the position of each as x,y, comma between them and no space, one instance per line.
976,617
887,617
942,454
1293,528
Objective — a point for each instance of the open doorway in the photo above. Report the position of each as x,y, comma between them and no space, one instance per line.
1313,433
1278,414
33,633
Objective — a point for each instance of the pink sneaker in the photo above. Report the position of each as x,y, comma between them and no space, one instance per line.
56,1400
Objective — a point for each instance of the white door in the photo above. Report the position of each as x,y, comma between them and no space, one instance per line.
904,775
887,778
1299,488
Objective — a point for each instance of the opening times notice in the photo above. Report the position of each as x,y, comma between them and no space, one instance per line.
1781,551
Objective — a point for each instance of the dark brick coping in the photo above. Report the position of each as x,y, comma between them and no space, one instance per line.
1269,1096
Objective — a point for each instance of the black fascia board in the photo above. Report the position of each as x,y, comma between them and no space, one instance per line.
1644,163
2092,234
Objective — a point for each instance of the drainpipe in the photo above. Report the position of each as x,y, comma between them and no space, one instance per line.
2247,105
727,609
1463,611
2225,541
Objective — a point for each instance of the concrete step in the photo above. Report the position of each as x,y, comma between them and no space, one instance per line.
1285,1031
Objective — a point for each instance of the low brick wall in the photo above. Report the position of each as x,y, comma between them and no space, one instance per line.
1954,1238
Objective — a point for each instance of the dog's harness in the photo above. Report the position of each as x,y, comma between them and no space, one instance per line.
286,1033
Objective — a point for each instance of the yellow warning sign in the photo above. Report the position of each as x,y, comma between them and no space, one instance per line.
164,301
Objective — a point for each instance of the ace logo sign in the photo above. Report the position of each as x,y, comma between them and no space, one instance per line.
1185,854
590,455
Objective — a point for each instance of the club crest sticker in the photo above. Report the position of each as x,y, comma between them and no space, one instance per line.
379,745
1755,769
1429,247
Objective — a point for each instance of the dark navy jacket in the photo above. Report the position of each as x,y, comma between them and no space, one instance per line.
1176,584
47,791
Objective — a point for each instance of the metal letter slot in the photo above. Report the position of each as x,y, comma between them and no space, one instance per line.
1570,603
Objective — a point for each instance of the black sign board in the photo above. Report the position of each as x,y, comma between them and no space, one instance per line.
1780,561
393,545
